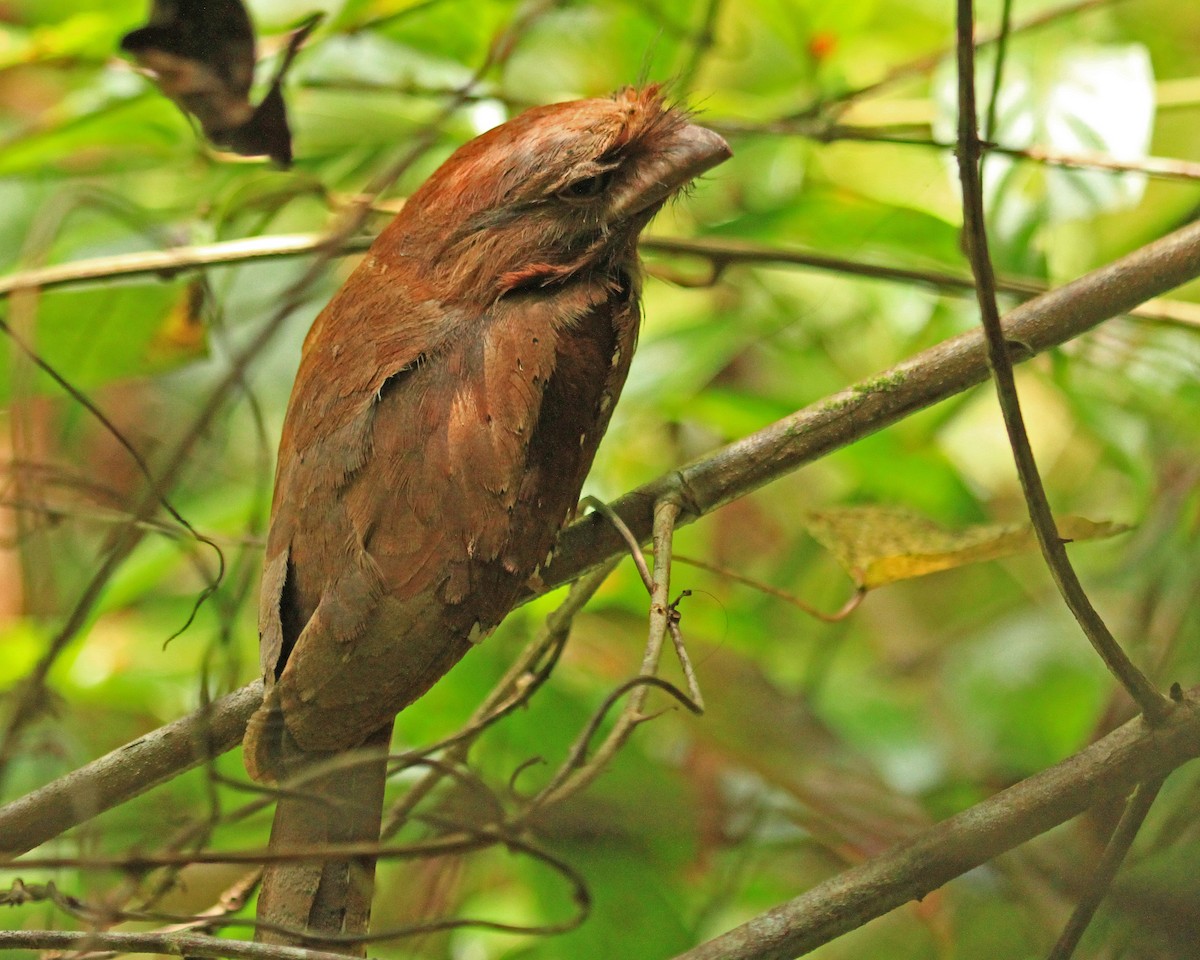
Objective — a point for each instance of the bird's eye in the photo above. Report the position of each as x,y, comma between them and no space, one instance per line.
586,187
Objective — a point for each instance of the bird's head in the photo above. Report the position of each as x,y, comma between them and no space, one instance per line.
558,193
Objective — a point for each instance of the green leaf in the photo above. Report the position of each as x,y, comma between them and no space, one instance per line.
96,336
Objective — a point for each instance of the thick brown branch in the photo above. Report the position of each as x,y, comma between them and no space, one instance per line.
730,472
127,772
1107,770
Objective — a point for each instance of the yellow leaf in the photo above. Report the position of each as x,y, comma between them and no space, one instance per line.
880,545
182,334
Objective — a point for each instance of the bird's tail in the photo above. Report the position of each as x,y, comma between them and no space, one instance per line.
327,898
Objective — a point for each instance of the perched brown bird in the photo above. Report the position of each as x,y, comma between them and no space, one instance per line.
448,406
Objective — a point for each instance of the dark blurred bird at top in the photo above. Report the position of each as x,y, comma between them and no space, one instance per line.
201,53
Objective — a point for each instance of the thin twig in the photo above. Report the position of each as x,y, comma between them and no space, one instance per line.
928,63
168,944
464,840
635,548
232,900
673,616
846,609
1100,880
701,42
522,679
719,253
460,842
574,775
666,512
695,695
165,264
989,126
1153,704
135,455
1158,168
564,784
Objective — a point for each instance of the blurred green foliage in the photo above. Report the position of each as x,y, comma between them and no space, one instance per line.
824,743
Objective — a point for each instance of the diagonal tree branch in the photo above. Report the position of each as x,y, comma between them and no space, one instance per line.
1107,770
703,485
1100,880
126,772
933,375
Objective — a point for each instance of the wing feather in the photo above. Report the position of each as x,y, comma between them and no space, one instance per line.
421,494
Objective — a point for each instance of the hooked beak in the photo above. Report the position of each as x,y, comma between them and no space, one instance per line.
687,153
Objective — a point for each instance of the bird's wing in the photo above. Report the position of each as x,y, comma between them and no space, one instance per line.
414,501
